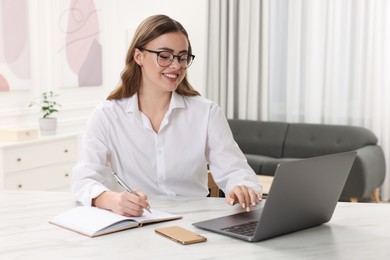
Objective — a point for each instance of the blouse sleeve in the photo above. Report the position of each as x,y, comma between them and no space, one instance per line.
227,163
92,174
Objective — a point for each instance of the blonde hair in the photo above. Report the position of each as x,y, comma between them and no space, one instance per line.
148,30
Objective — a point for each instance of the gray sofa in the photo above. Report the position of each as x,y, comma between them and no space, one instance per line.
266,144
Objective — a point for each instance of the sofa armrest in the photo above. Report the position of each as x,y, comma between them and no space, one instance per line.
367,173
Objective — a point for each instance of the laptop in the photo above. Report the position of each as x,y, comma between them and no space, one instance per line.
304,194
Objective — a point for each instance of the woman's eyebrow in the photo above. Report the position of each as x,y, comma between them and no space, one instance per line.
171,50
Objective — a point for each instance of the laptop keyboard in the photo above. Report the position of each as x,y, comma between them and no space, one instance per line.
245,229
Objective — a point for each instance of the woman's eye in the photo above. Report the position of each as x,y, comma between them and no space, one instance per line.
166,56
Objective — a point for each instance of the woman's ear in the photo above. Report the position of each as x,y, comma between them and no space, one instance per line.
138,56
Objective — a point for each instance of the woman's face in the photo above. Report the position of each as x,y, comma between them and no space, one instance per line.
154,76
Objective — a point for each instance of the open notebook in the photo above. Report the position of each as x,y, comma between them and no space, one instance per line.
93,222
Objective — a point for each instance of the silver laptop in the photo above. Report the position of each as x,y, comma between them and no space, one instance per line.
304,194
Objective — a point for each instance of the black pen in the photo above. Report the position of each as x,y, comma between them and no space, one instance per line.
126,187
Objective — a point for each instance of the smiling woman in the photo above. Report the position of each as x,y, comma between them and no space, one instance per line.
158,134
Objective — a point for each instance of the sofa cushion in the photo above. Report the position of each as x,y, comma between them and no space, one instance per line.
308,140
265,165
254,137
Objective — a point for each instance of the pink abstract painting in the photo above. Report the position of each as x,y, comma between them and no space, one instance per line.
81,48
15,65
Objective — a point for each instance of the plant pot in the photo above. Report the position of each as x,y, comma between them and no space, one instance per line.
48,126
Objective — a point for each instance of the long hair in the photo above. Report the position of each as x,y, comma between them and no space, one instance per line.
148,30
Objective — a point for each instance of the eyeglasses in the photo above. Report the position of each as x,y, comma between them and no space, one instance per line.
165,58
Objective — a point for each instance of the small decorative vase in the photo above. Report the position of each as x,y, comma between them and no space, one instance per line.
48,126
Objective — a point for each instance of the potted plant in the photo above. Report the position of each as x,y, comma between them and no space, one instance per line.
48,106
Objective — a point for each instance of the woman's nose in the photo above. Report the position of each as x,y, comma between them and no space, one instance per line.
176,63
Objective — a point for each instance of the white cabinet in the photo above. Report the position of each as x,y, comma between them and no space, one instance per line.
41,164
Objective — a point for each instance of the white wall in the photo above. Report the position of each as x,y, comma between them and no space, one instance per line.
119,19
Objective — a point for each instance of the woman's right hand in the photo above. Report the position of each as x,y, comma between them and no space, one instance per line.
123,203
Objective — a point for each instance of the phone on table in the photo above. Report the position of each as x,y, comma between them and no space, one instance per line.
180,235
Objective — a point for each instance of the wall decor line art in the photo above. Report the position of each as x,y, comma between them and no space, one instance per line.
80,50
15,61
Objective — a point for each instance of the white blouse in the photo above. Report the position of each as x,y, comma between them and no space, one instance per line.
193,133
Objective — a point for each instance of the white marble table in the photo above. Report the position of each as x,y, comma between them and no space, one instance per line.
356,231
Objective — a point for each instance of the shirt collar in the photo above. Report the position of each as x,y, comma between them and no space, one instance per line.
132,104
177,101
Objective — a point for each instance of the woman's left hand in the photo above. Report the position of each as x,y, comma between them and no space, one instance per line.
243,195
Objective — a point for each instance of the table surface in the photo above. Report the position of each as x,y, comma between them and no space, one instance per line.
356,231
266,181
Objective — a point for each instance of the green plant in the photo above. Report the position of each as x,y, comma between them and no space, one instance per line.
46,103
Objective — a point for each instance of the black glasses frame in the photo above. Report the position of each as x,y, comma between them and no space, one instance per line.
178,57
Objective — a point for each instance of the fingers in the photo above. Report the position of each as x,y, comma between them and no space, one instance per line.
143,199
140,194
243,195
130,204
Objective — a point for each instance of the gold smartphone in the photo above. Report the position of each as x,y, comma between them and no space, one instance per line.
180,235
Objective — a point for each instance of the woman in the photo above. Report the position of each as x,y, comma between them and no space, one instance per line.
157,134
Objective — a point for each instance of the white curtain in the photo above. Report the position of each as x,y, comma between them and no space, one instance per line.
314,61
234,57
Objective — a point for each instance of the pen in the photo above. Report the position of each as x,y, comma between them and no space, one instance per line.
126,187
